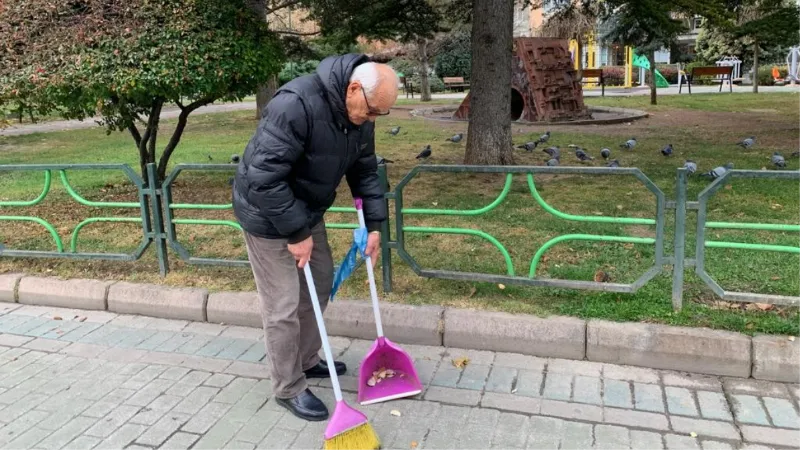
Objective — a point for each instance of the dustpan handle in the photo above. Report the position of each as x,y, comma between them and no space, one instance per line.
373,290
323,333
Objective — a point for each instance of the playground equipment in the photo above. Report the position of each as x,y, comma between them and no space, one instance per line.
733,61
543,83
643,63
793,74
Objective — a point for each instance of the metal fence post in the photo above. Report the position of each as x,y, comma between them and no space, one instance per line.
157,215
679,242
386,252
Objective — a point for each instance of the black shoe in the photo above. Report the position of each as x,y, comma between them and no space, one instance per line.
306,406
321,369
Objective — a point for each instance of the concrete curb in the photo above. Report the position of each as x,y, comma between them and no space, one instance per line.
158,301
405,324
77,293
8,286
558,337
234,308
776,358
700,350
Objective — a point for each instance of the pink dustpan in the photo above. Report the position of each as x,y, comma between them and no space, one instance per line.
387,372
398,380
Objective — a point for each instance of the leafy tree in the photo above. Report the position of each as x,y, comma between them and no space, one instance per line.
763,24
123,61
453,55
649,25
341,22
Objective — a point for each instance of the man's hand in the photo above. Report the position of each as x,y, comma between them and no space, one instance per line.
373,246
302,251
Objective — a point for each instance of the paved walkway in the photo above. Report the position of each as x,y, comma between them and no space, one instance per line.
80,380
62,125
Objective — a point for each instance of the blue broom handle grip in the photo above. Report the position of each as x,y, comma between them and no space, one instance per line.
323,333
373,290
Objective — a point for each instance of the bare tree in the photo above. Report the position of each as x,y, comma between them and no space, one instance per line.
576,20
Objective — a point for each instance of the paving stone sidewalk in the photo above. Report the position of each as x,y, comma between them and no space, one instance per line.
79,380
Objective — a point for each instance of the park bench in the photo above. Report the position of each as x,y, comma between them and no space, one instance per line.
455,83
723,71
597,74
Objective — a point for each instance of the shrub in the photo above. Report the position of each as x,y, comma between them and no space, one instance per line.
292,70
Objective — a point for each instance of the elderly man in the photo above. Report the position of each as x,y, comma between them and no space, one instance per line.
316,129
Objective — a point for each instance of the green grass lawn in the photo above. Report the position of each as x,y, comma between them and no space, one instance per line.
697,126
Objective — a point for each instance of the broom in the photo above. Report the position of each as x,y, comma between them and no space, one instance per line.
348,429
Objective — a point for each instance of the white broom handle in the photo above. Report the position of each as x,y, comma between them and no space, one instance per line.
373,291
323,333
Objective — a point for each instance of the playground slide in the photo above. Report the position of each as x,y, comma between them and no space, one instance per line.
641,61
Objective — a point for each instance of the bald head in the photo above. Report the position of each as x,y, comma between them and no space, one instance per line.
372,91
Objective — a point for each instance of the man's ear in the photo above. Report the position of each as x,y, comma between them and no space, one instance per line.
353,88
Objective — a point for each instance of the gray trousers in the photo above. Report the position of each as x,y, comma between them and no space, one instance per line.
290,329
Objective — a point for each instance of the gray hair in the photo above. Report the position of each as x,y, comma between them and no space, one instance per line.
368,75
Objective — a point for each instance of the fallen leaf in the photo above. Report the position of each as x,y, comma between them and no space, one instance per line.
435,203
395,413
764,306
619,207
414,444
372,381
82,319
57,318
776,206
791,338
472,291
774,278
749,326
597,213
728,187
751,307
501,286
628,246
693,434
601,277
460,363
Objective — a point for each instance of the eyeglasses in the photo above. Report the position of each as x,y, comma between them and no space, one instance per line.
370,111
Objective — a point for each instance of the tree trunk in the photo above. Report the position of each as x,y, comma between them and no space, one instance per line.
265,91
489,130
579,52
651,55
264,94
424,81
755,66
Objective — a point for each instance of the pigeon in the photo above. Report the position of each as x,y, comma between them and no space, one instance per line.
690,166
552,162
235,159
553,152
747,142
778,161
456,138
544,138
425,154
382,160
605,153
667,151
613,163
795,154
719,171
394,131
629,144
573,146
529,146
210,158
582,155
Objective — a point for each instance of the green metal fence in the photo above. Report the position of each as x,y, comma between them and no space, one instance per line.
157,216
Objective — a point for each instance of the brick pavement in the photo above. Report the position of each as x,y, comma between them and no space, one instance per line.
81,379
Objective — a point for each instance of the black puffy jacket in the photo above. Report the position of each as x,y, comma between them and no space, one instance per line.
303,146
